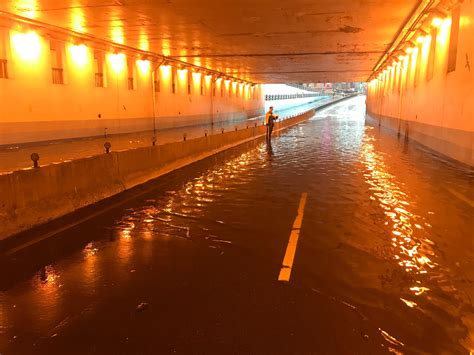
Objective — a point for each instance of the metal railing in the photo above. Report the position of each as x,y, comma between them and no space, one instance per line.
58,76
292,96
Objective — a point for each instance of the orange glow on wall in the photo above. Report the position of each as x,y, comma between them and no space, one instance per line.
165,47
143,66
421,39
117,34
78,19
144,45
425,52
219,84
196,81
182,73
117,62
79,54
27,45
443,35
437,22
404,72
465,21
143,42
406,61
165,73
413,65
28,8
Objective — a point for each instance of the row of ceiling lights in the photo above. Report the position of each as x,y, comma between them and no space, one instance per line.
160,60
80,39
433,20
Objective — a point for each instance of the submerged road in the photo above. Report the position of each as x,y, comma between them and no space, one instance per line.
338,238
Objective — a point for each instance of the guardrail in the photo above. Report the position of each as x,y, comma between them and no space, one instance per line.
273,97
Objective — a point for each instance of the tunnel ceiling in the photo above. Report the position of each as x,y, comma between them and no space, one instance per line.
260,40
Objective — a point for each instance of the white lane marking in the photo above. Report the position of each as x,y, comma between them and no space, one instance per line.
285,270
461,196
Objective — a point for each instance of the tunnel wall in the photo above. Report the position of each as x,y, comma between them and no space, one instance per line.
34,196
429,95
103,92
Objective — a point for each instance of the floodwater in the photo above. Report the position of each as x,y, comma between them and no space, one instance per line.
189,263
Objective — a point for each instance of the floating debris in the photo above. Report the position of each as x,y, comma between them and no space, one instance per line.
142,306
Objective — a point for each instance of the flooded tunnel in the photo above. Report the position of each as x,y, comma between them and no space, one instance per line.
146,207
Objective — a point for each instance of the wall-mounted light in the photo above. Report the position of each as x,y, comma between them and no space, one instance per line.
437,22
143,65
27,45
421,39
79,54
196,73
117,61
182,74
165,72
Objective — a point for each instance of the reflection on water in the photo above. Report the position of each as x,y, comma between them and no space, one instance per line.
411,243
125,242
412,248
176,214
48,295
90,264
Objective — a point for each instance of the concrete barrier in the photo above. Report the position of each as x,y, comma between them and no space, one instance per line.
452,143
32,197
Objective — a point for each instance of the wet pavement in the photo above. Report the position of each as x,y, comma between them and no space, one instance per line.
190,262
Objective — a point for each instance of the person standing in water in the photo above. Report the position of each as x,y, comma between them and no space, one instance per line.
270,122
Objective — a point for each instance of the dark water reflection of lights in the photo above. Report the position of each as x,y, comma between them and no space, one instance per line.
412,247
